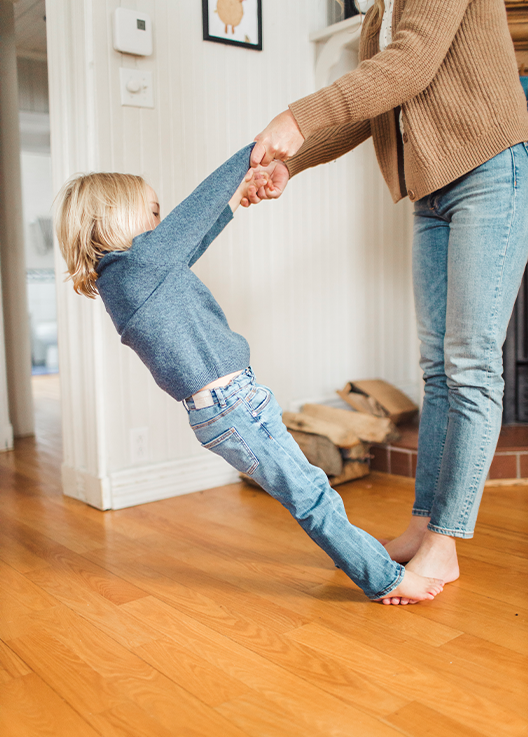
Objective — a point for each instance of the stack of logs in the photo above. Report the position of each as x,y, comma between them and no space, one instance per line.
338,440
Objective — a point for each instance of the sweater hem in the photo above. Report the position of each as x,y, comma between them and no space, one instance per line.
463,160
207,377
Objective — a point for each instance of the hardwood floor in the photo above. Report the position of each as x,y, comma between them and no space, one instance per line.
213,615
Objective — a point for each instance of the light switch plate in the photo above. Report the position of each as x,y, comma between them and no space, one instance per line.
136,88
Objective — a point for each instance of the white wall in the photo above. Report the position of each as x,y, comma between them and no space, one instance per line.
318,282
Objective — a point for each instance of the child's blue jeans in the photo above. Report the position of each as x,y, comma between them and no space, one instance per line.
244,426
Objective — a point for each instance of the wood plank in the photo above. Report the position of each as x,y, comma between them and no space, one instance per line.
91,605
188,669
29,708
286,690
460,605
21,589
62,669
413,718
255,709
98,676
406,676
129,720
11,664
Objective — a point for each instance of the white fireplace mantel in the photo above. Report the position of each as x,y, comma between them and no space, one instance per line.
331,43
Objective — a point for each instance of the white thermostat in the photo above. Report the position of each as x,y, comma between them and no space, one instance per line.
132,32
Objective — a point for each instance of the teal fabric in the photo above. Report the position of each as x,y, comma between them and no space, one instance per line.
524,82
159,306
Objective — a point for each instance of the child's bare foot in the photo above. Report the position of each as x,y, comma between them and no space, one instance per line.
404,547
437,556
413,588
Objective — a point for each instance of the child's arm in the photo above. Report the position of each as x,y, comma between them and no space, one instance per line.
185,233
253,178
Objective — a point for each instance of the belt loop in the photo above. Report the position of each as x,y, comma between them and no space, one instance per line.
219,394
184,402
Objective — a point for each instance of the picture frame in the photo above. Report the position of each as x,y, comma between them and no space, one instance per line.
233,22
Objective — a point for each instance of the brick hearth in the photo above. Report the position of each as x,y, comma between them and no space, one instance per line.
510,461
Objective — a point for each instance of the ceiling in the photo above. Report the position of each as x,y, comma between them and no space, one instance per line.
30,28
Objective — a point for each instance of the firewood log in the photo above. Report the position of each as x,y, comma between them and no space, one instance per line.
351,470
319,451
336,433
368,428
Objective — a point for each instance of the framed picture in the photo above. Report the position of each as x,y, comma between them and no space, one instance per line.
235,22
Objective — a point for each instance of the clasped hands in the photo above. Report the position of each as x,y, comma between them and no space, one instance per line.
268,177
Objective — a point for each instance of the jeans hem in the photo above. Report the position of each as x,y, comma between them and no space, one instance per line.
463,534
421,513
386,591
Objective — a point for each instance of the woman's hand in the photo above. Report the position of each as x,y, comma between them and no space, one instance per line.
279,140
277,177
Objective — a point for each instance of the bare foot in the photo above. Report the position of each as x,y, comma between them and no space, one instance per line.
413,588
437,556
404,547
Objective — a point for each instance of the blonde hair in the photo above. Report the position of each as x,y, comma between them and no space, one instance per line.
96,213
379,9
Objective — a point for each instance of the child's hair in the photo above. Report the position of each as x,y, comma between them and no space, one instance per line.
97,213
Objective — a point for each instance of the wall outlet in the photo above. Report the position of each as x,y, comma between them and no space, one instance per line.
139,445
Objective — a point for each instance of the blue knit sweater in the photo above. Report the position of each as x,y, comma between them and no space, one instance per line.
159,306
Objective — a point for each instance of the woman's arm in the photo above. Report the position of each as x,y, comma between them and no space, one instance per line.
328,144
403,70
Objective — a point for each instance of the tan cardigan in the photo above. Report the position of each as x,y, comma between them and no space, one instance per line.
451,67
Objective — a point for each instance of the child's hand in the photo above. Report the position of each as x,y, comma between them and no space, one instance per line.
254,181
277,176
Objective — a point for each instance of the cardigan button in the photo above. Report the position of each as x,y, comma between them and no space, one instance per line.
405,137
410,192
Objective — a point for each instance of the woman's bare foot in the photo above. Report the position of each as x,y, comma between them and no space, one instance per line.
404,547
437,556
413,588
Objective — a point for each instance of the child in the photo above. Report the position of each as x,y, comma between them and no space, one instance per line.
109,230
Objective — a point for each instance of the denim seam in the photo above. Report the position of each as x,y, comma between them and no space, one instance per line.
479,465
206,423
455,532
227,434
514,168
256,412
303,475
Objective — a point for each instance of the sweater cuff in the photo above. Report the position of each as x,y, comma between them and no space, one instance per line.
321,109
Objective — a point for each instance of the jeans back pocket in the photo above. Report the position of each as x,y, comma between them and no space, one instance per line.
232,448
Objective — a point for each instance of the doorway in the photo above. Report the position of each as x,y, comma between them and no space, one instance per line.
37,199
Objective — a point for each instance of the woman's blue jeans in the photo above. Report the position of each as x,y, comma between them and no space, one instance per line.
244,426
469,254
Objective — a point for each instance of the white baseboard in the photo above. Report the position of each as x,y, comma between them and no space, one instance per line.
6,438
150,483
86,487
139,485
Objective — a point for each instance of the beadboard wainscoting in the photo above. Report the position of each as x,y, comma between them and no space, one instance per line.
318,282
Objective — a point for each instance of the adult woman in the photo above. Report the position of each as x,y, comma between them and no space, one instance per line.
443,104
